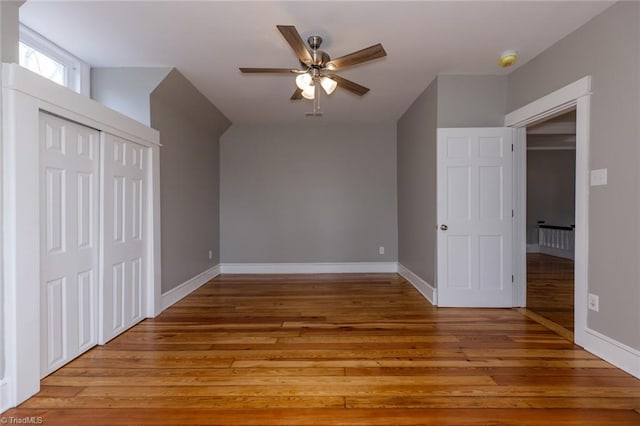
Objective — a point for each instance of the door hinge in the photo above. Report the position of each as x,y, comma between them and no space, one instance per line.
512,279
512,213
511,147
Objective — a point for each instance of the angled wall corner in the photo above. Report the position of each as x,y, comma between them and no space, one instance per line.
190,128
448,101
416,145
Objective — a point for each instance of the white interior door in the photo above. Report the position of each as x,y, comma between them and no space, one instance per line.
69,161
124,225
474,217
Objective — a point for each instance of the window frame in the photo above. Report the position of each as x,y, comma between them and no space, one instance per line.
77,72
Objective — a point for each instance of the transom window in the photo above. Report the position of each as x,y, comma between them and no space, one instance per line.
49,60
42,64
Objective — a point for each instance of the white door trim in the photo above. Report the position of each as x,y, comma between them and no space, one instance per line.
574,95
519,217
549,105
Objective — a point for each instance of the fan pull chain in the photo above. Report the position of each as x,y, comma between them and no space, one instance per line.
316,101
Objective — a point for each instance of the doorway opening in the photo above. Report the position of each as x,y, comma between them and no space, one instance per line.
574,96
550,219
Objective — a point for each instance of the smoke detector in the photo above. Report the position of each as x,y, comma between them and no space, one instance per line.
507,58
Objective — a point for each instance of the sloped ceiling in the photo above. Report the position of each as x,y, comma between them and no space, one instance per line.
208,40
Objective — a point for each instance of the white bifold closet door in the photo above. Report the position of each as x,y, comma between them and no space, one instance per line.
69,166
124,232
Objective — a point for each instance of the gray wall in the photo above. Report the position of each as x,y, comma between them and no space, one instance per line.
471,100
550,188
308,193
126,90
9,37
608,49
190,128
417,185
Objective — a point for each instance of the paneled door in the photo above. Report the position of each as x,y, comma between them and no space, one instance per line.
69,161
475,221
125,236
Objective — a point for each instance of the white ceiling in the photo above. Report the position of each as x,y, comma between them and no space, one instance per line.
208,40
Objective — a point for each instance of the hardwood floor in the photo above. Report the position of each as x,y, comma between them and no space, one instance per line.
334,349
550,288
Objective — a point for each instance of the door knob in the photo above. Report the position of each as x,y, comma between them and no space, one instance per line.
444,227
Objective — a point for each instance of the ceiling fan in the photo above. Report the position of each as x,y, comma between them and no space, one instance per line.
318,67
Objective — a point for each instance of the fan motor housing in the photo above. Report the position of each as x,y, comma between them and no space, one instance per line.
315,41
318,57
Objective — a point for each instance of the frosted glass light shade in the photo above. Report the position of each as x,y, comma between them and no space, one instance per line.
328,84
303,81
309,92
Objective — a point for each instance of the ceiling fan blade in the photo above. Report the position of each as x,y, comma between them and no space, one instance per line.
268,70
292,36
364,55
296,95
349,85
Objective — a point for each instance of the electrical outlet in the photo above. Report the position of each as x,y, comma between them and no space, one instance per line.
594,302
210,254
381,250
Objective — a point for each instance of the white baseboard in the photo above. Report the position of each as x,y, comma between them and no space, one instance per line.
179,292
5,401
566,254
429,292
536,248
533,248
309,268
622,356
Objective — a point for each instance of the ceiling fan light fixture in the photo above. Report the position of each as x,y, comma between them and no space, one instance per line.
328,84
304,81
315,63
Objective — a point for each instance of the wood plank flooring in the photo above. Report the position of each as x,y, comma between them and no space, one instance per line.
333,349
550,288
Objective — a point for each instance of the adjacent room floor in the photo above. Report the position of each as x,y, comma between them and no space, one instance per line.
334,349
550,288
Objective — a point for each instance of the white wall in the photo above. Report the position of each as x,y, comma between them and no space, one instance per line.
308,193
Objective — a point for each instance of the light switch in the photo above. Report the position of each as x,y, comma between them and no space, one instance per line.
598,177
